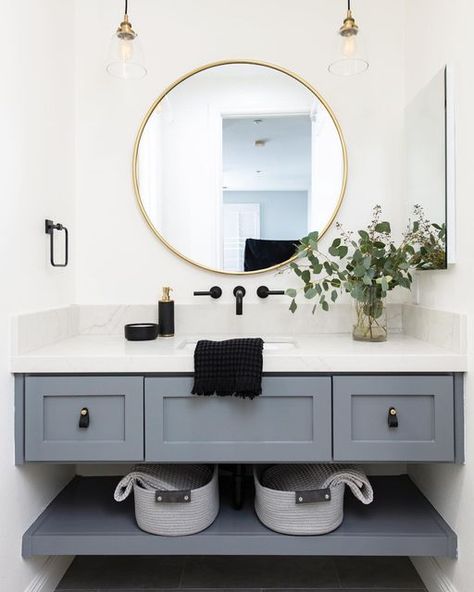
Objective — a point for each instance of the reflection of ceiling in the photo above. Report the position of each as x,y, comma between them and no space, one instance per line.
284,159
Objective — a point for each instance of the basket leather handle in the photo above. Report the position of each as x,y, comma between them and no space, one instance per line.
312,496
173,497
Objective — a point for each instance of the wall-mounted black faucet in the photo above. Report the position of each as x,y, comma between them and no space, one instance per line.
264,292
239,293
215,292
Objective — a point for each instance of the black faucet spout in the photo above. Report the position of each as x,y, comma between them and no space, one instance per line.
239,293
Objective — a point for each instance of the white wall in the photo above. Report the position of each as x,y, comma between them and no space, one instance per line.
438,32
37,155
120,260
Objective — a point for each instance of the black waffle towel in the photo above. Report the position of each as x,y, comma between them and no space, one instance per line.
231,367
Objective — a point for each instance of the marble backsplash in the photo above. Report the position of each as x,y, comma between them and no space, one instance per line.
34,330
439,327
265,318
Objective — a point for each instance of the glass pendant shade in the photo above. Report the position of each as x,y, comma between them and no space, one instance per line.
125,57
351,57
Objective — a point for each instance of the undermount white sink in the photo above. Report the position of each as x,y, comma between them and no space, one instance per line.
270,345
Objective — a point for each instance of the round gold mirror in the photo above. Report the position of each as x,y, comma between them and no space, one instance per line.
235,162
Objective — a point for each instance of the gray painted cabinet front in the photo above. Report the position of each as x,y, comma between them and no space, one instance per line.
52,412
424,408
342,418
290,421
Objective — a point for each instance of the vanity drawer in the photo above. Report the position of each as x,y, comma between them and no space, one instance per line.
52,412
290,421
424,412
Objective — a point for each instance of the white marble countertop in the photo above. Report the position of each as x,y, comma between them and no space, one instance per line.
307,353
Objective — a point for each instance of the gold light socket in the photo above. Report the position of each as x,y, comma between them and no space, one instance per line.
125,30
349,26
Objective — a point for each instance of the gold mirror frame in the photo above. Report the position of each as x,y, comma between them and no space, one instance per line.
197,71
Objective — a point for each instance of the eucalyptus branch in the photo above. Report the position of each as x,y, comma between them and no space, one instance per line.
369,266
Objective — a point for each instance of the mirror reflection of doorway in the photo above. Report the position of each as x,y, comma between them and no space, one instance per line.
267,164
241,221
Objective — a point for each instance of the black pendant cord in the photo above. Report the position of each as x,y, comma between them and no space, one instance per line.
348,4
126,7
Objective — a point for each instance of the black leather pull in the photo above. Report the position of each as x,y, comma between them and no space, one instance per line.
315,495
392,418
84,418
173,497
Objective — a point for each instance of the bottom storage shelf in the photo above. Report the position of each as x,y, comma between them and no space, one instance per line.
84,519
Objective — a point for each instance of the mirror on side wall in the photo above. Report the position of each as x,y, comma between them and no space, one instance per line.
235,162
429,140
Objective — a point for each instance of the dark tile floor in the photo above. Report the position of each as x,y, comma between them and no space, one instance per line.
238,574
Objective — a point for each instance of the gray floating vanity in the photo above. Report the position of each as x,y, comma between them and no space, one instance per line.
298,418
312,417
325,398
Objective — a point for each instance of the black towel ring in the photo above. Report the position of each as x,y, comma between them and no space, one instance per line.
50,227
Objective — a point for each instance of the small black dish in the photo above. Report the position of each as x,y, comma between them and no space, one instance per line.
141,331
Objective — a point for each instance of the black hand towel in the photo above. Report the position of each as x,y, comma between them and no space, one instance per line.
261,253
225,368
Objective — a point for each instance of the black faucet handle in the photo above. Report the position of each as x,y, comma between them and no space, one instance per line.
239,293
215,292
264,292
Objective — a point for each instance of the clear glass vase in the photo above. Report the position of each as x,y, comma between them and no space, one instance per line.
370,323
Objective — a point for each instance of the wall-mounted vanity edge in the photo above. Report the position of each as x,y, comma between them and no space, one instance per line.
300,417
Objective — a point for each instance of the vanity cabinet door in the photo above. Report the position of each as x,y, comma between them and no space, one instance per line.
83,418
290,421
393,418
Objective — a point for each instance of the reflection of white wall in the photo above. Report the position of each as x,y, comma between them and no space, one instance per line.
425,134
189,166
283,214
327,169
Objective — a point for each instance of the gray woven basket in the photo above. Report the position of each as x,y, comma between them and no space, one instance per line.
172,500
306,499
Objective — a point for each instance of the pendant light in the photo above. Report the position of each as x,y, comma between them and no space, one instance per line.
125,58
352,59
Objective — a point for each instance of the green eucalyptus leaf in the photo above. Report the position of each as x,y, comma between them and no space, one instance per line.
291,292
342,251
317,268
383,227
367,280
293,306
328,268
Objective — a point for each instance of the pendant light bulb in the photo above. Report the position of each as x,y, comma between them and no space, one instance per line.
352,59
125,59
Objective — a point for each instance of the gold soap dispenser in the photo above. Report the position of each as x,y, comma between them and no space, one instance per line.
166,314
